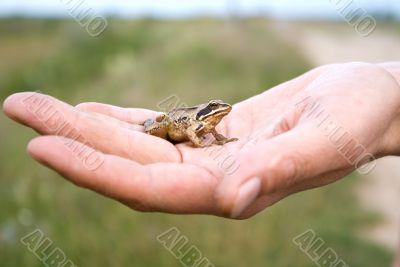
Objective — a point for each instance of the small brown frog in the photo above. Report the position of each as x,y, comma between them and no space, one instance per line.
191,124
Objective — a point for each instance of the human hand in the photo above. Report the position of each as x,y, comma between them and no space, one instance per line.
283,146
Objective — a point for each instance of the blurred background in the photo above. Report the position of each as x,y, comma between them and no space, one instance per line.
197,50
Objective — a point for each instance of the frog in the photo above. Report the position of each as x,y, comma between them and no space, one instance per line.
191,124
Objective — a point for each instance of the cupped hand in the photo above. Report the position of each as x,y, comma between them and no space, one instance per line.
302,134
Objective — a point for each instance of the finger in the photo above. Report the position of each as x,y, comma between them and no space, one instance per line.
286,162
167,187
130,115
50,116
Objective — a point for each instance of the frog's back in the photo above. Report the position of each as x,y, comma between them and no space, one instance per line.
177,113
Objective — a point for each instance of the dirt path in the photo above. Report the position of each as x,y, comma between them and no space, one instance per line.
327,43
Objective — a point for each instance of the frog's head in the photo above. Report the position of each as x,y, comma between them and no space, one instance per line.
213,112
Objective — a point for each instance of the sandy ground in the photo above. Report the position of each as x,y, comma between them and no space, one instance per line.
380,190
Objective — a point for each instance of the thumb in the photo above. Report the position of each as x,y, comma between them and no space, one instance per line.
285,163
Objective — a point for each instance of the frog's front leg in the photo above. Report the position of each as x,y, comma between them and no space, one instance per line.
192,134
220,139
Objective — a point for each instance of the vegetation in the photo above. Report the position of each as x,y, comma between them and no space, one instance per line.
140,63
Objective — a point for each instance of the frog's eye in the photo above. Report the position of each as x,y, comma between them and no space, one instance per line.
213,104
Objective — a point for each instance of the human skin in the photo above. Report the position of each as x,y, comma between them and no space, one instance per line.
281,148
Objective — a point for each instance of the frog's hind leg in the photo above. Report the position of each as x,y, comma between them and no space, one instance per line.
220,139
149,122
155,128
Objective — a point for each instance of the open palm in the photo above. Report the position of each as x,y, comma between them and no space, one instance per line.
282,148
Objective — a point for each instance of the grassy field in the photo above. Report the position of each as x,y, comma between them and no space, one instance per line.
140,63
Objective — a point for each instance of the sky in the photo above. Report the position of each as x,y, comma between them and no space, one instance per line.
185,8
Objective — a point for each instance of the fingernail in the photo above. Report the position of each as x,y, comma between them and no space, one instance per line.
247,193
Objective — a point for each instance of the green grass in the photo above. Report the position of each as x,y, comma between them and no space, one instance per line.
139,63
